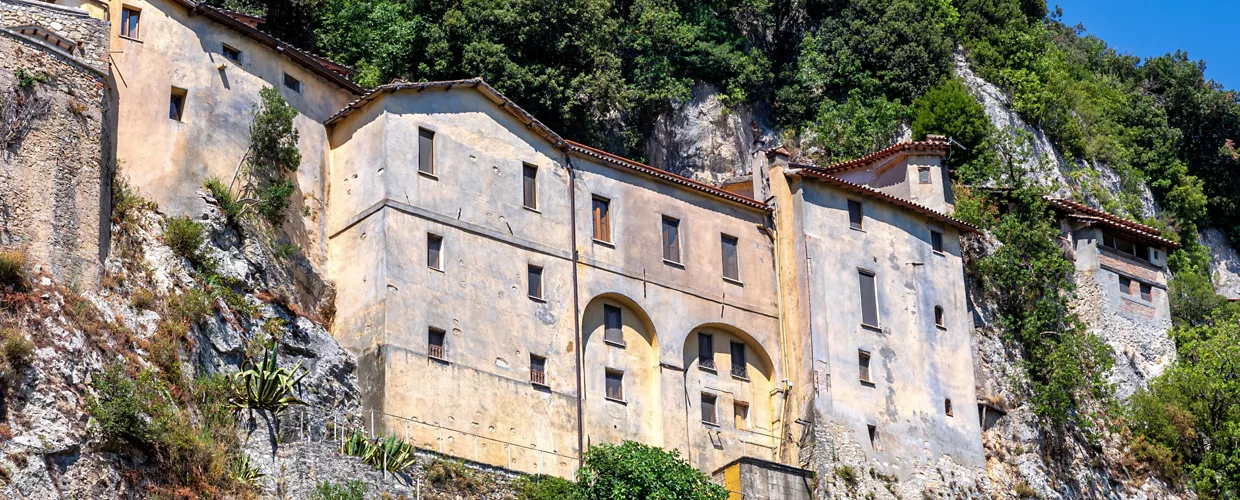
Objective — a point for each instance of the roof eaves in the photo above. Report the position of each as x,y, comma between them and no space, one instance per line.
915,146
664,175
1072,206
314,63
895,200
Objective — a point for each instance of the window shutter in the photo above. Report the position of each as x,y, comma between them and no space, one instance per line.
434,244
529,176
731,266
855,215
671,239
612,321
426,151
869,299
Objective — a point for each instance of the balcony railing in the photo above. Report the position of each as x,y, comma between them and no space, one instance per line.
707,363
437,352
739,371
538,377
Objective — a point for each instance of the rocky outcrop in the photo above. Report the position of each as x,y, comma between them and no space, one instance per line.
704,139
1224,263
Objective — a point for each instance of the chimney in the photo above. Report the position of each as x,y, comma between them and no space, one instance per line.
777,157
936,138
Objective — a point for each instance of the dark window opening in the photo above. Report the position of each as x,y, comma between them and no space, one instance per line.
130,18
1125,286
615,385
538,370
936,241
434,251
1147,292
231,53
938,316
529,186
292,83
176,104
873,432
855,215
863,366
731,262
869,299
602,219
706,351
671,240
923,175
534,281
612,321
740,368
435,347
947,407
426,151
709,414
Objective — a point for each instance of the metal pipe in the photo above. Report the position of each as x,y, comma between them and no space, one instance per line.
577,355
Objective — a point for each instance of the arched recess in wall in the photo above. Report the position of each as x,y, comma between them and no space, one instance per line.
621,350
727,366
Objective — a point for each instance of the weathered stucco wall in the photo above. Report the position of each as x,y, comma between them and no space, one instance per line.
73,23
915,365
55,159
170,159
899,176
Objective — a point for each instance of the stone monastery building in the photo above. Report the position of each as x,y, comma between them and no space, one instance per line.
522,296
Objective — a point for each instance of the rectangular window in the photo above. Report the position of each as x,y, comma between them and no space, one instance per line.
709,414
529,186
435,347
731,264
706,351
434,251
612,321
176,104
231,53
426,151
1125,286
671,239
740,414
130,18
855,215
615,385
292,83
936,241
863,366
873,432
923,175
535,283
1147,292
602,219
538,370
869,299
740,368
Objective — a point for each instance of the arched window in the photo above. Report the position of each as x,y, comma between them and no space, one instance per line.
938,317
947,407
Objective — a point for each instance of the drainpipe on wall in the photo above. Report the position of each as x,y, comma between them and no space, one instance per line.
572,232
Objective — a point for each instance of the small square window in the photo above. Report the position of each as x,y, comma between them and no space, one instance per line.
538,370
231,53
534,281
1125,286
292,83
1147,292
936,241
671,240
426,151
740,413
130,21
923,175
612,324
863,365
947,408
529,186
435,346
176,104
709,414
855,215
434,251
615,385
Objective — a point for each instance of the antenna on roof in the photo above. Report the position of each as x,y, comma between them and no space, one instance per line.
952,140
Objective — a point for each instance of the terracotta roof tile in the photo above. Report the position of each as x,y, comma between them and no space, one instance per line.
1130,228
929,145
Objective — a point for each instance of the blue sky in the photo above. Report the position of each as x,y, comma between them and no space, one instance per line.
1205,29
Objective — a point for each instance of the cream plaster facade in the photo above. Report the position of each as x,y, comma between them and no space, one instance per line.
368,215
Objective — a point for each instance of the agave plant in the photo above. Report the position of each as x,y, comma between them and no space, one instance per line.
244,471
266,386
357,445
389,454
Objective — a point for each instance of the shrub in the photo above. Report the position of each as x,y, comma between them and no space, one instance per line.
347,490
126,202
225,200
184,236
543,487
244,471
191,307
1023,490
17,350
451,475
285,250
142,299
635,470
26,79
847,474
12,267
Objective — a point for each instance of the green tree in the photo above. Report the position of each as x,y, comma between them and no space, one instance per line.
265,170
635,470
951,110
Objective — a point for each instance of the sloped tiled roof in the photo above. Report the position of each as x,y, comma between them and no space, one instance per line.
934,144
1132,229
824,175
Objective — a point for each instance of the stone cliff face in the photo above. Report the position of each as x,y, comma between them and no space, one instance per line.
706,141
